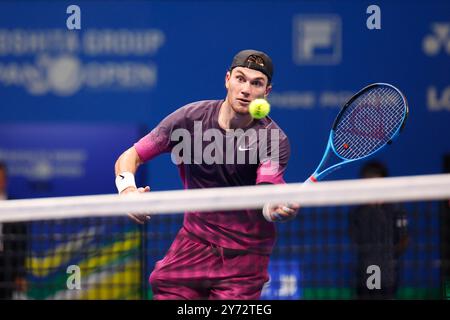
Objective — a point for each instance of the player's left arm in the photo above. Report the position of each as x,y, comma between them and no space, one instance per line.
271,170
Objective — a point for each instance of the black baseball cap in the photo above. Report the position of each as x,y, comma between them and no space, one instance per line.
253,59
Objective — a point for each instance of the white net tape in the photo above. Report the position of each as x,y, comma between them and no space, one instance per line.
330,193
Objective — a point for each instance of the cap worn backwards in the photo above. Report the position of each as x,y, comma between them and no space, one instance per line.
253,59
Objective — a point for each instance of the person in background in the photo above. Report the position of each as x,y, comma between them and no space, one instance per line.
379,231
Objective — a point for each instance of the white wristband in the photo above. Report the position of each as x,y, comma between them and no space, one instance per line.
125,180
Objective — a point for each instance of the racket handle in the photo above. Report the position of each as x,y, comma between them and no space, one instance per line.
311,179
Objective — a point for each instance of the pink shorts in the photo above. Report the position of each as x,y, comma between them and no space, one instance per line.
195,270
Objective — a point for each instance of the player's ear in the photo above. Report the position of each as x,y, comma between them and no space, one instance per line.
227,79
268,89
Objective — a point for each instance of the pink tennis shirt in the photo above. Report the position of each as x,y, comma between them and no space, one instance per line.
209,156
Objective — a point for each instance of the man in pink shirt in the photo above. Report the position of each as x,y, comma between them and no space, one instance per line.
216,143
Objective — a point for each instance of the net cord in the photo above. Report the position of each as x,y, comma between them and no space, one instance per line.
329,193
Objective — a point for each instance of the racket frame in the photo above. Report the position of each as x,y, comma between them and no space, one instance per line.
330,151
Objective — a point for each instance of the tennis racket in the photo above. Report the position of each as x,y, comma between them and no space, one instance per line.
367,123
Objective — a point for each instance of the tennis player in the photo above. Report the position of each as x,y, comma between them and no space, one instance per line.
218,255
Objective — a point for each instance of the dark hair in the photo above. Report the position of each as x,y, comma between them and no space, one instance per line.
373,168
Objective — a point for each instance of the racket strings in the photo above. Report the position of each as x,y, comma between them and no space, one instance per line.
369,122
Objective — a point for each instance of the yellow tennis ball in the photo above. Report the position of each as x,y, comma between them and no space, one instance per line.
259,108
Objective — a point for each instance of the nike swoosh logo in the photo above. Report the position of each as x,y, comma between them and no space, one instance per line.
123,177
244,149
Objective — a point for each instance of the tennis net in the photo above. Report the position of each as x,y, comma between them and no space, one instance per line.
371,238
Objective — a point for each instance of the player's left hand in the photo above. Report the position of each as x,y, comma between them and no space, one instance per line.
282,212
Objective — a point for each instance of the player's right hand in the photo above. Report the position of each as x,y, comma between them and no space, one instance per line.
140,218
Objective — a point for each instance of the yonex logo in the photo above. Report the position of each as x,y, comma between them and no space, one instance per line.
438,41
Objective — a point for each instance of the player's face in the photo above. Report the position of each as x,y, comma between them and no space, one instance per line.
244,85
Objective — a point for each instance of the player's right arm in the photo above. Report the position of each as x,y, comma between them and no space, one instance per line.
127,163
156,142
125,169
